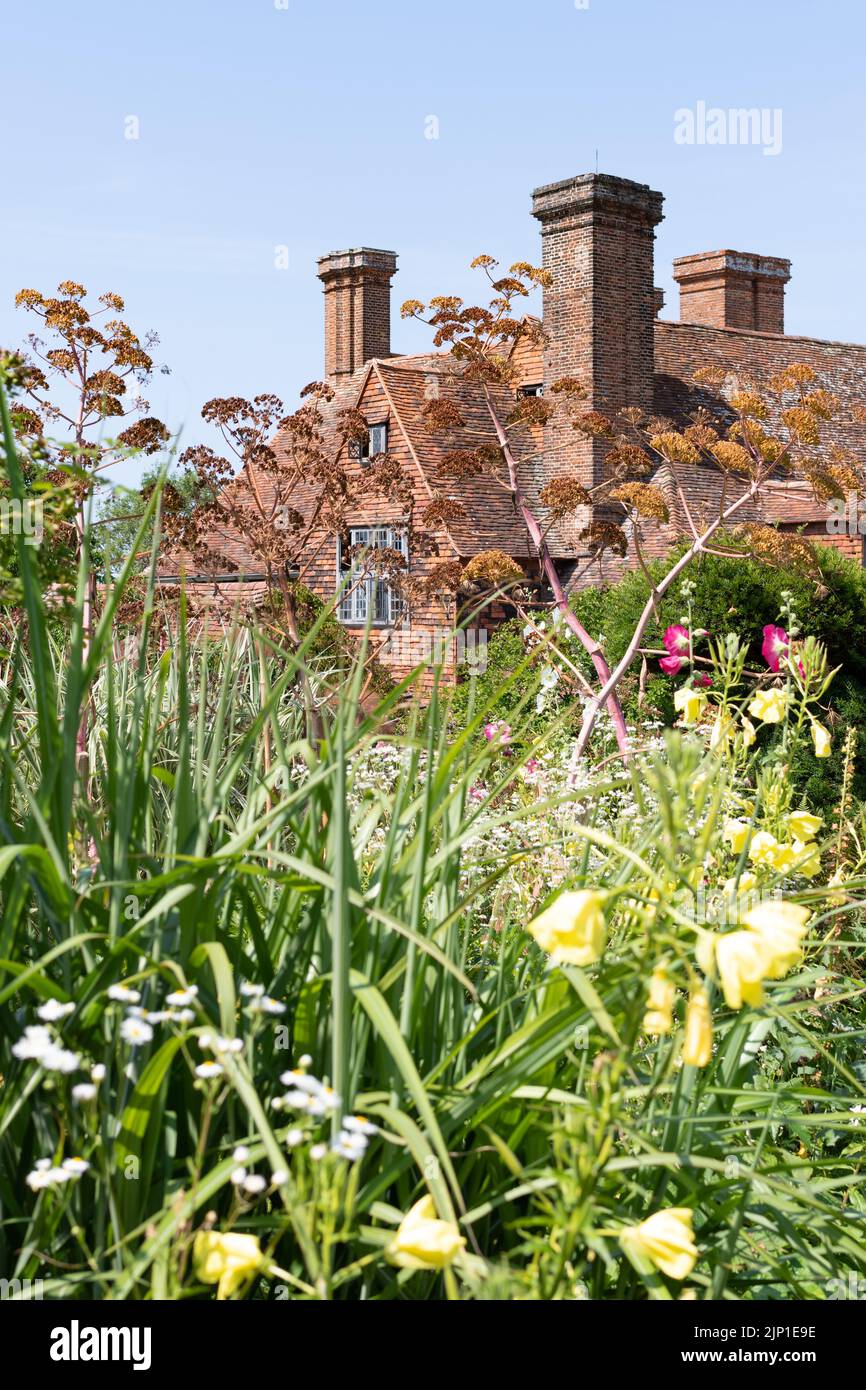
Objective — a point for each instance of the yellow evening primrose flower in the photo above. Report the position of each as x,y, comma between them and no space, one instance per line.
423,1241
689,703
572,929
780,928
768,706
658,1018
742,962
821,739
749,732
783,858
807,858
666,1239
803,825
744,884
763,848
225,1258
735,834
698,1043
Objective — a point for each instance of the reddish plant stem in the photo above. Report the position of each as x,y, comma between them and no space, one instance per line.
589,644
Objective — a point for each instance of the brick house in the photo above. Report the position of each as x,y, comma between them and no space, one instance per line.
601,323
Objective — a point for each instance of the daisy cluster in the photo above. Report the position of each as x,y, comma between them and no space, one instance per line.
307,1096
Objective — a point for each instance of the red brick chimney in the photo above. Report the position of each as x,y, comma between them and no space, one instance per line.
597,242
733,289
357,287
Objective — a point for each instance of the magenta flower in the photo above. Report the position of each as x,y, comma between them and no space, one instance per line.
671,664
676,639
701,679
498,730
774,646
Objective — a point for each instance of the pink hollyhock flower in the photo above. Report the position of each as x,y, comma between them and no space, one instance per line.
701,679
676,639
499,730
774,646
671,664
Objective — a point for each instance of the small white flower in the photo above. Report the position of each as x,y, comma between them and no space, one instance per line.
318,1151
84,1091
60,1059
238,1176
359,1124
266,1005
241,1153
158,1016
301,1081
294,1137
222,1045
46,1176
122,994
34,1043
297,1100
208,1070
305,1061
135,1031
348,1145
252,991
180,997
75,1166
136,1011
278,1177
53,1010
254,1184
182,1015
97,1073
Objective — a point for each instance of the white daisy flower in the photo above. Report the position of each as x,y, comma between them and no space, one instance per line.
278,1177
294,1137
318,1151
266,1005
241,1153
208,1071
238,1176
52,1010
46,1177
97,1073
75,1166
299,1100
136,1011
182,1015
305,1061
135,1031
158,1016
252,991
34,1043
301,1081
60,1059
359,1124
180,997
254,1184
348,1145
84,1091
122,994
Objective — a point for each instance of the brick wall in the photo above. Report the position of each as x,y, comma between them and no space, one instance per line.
357,291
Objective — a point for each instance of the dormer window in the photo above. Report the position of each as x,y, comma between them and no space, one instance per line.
375,443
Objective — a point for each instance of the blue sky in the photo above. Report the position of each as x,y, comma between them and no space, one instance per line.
303,124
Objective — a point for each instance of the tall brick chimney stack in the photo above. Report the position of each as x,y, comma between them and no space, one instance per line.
597,242
733,289
357,287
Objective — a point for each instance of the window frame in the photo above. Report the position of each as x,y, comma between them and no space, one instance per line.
387,605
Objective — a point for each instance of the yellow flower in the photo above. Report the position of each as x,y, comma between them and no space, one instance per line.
742,963
749,732
837,899
744,884
803,825
225,1258
698,1044
722,732
768,705
658,1018
807,858
780,928
423,1241
763,848
736,833
782,857
821,739
689,703
572,929
666,1239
